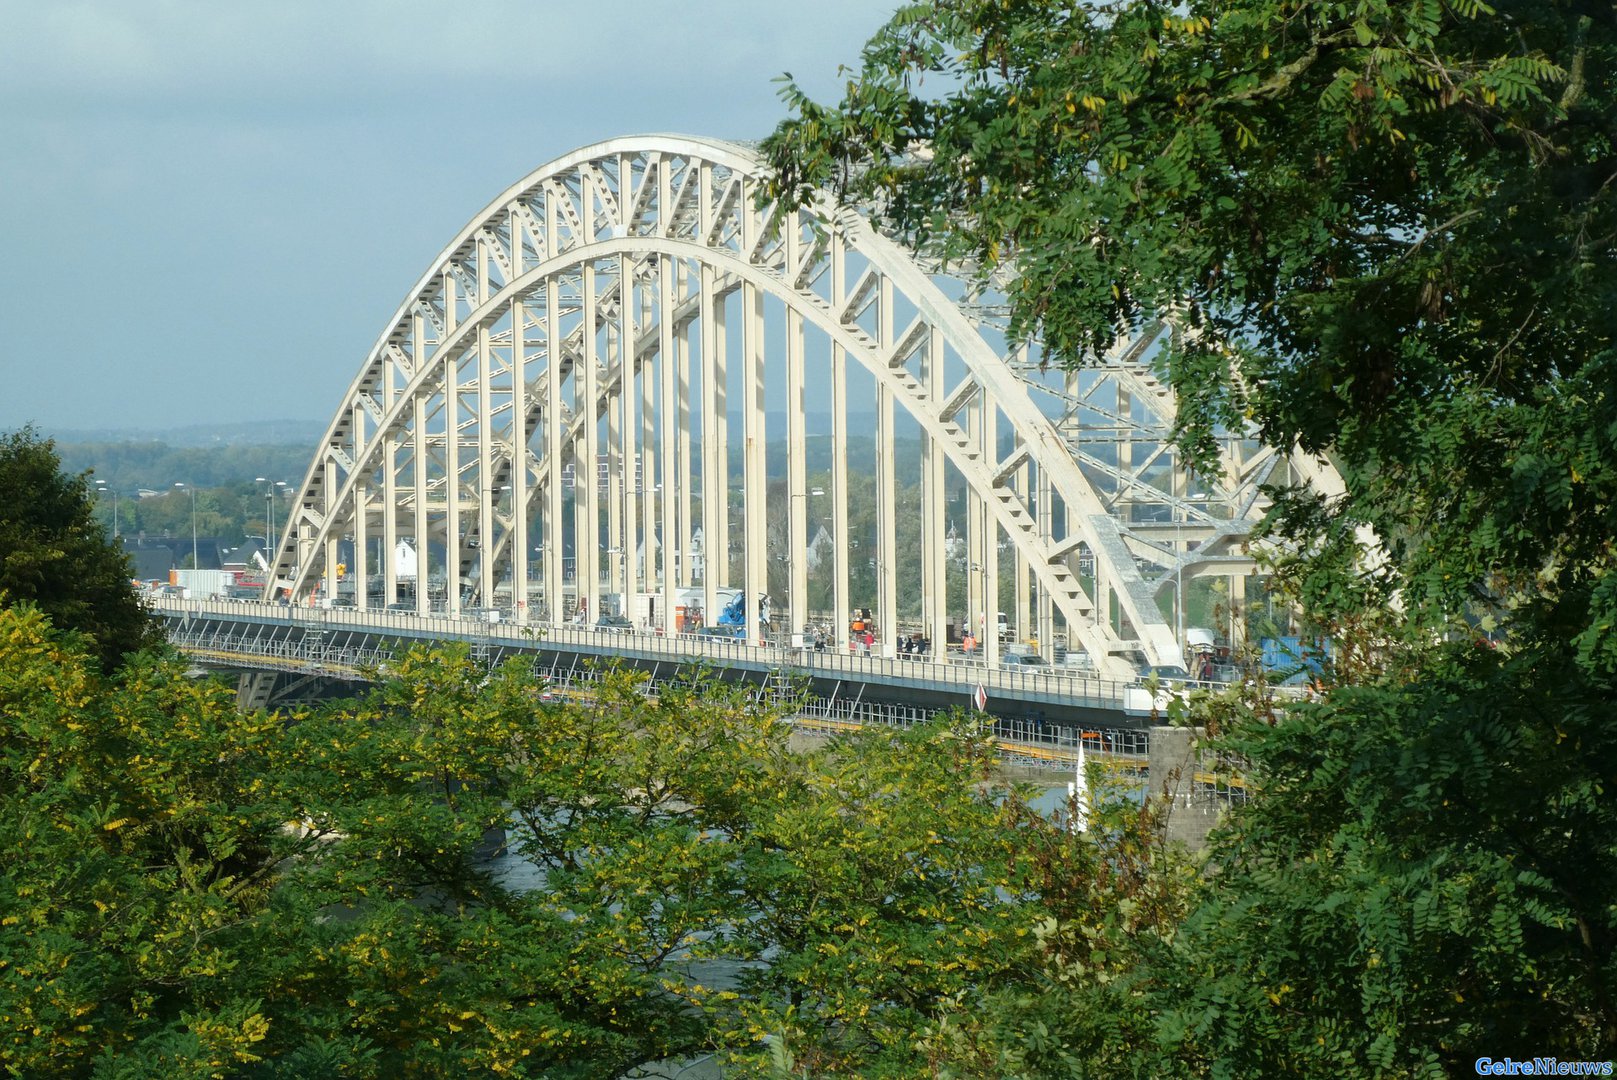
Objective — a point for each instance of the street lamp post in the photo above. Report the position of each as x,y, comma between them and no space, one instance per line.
797,607
269,514
195,562
102,489
613,577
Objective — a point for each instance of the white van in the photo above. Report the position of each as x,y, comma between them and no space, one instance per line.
1005,631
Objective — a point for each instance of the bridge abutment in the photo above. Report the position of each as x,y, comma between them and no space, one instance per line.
1195,785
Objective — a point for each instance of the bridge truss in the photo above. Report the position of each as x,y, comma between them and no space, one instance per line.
626,378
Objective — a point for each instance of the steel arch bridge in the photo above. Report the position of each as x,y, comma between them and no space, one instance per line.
604,387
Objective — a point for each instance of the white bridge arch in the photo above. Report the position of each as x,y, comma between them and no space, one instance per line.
543,420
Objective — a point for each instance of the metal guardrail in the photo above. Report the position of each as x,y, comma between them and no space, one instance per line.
211,639
208,631
1037,741
939,671
1221,778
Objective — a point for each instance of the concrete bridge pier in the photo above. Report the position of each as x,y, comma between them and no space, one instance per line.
254,690
1180,772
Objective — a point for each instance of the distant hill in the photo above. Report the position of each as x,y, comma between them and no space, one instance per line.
238,433
128,465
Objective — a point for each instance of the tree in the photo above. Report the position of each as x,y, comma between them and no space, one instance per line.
1384,232
54,554
142,842
1360,218
455,876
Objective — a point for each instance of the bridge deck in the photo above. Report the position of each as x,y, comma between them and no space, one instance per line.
342,643
1036,719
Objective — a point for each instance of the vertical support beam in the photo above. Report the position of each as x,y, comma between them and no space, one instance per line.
714,550
627,417
420,469
797,498
976,620
1046,605
329,504
362,501
1125,466
555,454
451,419
991,645
1237,615
640,480
390,488
886,487
586,507
668,426
517,451
650,484
1177,487
839,450
685,489
755,497
934,507
719,554
1022,484
1073,434
1067,630
618,335
485,442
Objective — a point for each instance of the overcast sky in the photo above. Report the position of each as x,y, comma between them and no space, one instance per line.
210,208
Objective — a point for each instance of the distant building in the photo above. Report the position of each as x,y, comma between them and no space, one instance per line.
177,549
149,563
819,548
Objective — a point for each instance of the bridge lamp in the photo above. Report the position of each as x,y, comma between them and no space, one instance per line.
613,580
808,512
195,563
269,512
811,493
101,488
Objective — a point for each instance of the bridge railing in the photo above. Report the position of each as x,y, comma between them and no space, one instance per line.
207,634
942,673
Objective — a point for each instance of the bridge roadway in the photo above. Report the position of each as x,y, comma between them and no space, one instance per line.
344,643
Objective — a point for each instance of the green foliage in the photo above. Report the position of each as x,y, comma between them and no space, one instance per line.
54,555
1386,229
1428,872
1386,232
453,877
129,465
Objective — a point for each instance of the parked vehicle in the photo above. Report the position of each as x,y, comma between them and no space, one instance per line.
1167,674
1074,659
614,624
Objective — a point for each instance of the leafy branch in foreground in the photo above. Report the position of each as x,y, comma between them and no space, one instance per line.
1384,232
